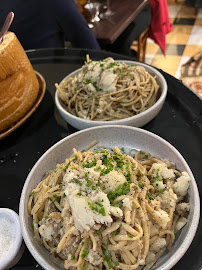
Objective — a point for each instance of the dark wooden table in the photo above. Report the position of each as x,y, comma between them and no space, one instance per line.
124,12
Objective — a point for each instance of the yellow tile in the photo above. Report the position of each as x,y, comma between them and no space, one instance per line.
179,34
190,50
187,12
152,48
198,22
168,63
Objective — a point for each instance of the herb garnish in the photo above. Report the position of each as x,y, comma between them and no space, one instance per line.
84,254
107,256
95,208
150,196
140,184
119,191
77,181
160,192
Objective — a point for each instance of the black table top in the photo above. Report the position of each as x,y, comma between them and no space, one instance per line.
179,122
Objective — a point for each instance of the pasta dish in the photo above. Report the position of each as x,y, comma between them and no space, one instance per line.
104,209
107,90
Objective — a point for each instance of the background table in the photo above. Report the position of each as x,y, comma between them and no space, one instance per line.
179,122
124,12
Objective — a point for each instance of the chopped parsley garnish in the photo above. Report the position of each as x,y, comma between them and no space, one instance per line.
128,176
87,81
31,194
112,65
130,235
150,196
77,181
84,71
102,211
89,183
119,191
118,205
159,178
140,184
107,256
119,162
84,254
160,192
89,164
116,263
37,221
99,204
153,180
67,165
95,208
106,171
75,158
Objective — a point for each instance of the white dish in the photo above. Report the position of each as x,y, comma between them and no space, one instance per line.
138,120
109,136
16,246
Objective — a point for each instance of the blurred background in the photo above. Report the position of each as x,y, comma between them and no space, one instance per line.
183,49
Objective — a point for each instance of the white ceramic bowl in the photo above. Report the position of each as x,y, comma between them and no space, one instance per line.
138,120
15,247
109,136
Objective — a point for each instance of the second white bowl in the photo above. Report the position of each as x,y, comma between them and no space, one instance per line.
138,120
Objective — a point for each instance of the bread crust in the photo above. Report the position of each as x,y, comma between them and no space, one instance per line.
19,86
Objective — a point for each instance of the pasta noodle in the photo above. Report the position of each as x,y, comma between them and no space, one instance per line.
104,209
108,90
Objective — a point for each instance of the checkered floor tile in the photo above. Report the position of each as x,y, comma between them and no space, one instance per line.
182,42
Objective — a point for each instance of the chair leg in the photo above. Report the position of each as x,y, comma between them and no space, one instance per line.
142,42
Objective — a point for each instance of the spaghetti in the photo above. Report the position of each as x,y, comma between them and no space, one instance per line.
107,90
104,209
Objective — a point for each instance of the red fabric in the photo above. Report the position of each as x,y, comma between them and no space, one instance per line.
160,23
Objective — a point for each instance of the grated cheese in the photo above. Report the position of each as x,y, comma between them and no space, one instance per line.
7,236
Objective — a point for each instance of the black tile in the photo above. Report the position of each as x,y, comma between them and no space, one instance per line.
184,21
173,49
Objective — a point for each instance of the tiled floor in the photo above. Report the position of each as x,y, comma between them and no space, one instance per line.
182,42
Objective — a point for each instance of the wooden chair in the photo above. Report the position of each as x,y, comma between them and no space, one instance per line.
133,40
140,45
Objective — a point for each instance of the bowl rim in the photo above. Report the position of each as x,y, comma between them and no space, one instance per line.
119,121
14,217
186,242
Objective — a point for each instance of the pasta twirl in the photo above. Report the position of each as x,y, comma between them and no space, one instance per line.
107,210
108,90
